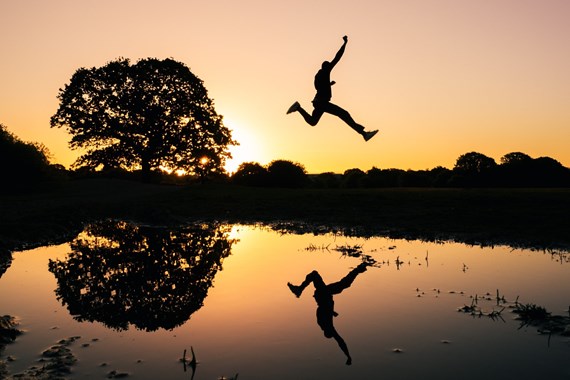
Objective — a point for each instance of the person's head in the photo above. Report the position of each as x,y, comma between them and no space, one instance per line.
326,65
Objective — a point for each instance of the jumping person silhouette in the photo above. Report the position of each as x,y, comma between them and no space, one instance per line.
325,304
322,101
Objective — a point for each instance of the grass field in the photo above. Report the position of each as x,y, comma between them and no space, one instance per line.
531,218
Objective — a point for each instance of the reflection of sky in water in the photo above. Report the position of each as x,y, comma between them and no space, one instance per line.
252,324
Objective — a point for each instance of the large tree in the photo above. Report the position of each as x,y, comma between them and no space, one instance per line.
149,115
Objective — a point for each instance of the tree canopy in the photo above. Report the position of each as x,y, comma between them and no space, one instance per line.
250,174
285,173
515,158
278,173
155,114
474,163
22,163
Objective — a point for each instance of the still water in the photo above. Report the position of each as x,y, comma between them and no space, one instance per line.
137,297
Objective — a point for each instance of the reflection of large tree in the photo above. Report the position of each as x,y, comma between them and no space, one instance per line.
120,273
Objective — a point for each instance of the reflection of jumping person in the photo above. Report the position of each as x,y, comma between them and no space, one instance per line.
321,102
325,303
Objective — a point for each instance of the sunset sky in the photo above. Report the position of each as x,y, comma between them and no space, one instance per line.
438,78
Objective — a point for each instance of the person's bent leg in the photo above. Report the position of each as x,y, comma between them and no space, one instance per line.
311,119
313,277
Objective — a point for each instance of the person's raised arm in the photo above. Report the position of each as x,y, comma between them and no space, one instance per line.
340,52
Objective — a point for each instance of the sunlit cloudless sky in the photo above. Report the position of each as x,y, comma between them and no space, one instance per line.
438,78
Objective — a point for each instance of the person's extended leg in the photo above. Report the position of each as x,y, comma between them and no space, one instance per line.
337,287
343,114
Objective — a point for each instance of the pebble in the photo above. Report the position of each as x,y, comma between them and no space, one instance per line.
117,375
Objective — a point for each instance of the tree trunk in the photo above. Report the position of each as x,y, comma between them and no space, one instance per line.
145,171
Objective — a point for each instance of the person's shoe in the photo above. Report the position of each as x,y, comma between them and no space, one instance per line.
368,135
296,290
294,107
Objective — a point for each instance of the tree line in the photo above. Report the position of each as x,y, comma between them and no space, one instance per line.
23,164
471,169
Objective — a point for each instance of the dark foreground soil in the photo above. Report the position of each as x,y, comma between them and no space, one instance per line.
525,218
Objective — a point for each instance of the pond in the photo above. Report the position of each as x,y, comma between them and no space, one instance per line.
125,299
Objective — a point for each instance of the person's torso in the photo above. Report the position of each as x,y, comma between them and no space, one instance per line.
323,85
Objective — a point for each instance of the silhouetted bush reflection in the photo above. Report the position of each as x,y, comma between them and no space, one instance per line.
5,260
120,273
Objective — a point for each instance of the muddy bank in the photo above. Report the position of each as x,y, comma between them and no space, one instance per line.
54,363
8,334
